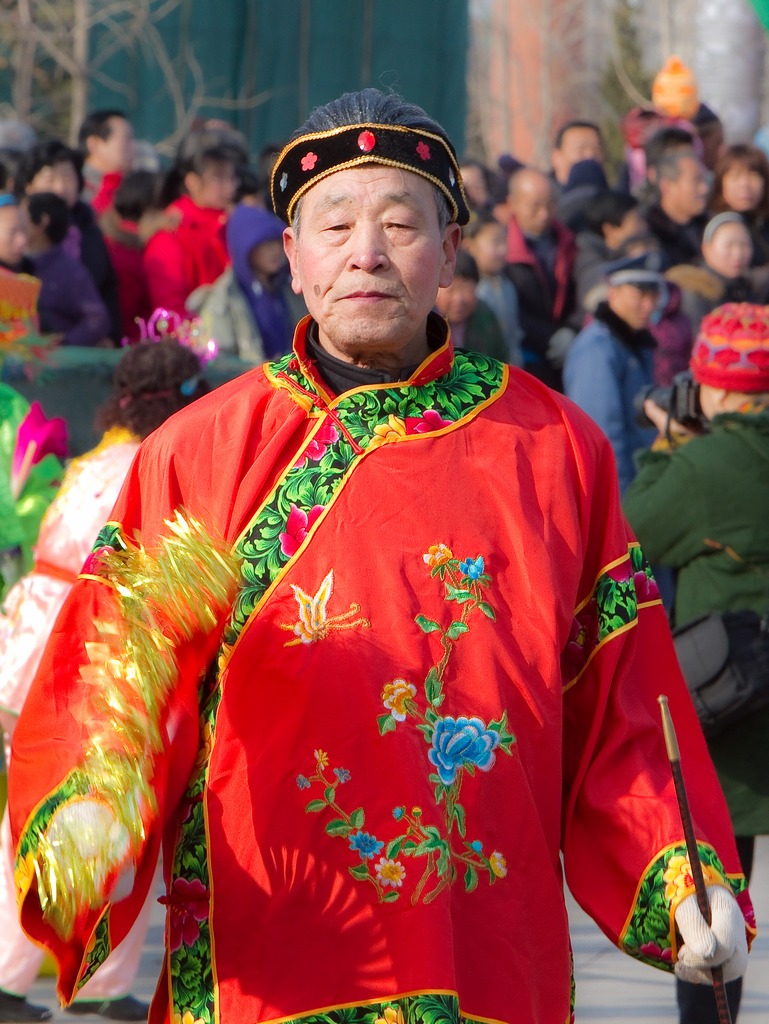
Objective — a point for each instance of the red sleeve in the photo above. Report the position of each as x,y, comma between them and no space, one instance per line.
623,839
164,267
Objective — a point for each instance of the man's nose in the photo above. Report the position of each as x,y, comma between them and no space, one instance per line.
368,249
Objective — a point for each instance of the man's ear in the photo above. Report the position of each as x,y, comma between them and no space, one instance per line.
452,238
289,247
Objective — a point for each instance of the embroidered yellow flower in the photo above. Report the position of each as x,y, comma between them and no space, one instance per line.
24,872
393,430
321,758
395,695
437,554
187,1018
391,1015
498,864
206,746
678,876
390,872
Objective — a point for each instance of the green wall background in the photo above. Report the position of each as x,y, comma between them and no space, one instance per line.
295,55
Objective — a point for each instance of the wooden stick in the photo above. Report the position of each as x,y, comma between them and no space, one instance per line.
674,756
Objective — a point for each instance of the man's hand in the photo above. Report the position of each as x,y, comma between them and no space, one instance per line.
723,943
660,419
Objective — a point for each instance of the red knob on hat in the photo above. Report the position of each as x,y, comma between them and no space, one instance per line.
366,141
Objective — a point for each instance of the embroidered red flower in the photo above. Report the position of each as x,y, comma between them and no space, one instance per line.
308,161
645,587
188,904
430,419
423,150
654,952
298,525
582,641
318,446
366,141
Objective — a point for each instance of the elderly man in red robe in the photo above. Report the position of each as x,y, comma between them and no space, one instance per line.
439,670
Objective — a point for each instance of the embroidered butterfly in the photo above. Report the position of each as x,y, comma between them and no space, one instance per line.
314,622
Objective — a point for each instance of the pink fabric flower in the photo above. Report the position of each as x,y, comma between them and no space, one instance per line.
92,564
316,449
36,437
308,161
583,639
298,525
430,419
653,952
645,586
188,905
423,150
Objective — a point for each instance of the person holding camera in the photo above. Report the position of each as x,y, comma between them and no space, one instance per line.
700,503
611,359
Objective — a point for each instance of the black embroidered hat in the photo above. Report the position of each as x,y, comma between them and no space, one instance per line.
308,159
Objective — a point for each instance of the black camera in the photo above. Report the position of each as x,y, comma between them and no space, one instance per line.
681,401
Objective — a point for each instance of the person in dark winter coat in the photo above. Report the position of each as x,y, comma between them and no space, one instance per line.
702,507
723,274
677,219
610,361
53,167
610,219
540,258
13,237
474,326
69,303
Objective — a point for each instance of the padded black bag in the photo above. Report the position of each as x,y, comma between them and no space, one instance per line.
724,658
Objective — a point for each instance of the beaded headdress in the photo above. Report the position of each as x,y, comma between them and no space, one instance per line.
310,158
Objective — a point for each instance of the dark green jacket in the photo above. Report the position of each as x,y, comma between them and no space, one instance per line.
686,508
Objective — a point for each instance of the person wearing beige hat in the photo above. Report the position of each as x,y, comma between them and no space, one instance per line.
724,272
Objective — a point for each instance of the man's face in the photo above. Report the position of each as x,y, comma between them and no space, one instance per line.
369,257
112,155
60,178
457,302
13,235
632,304
631,224
729,250
215,187
476,187
531,202
577,144
687,196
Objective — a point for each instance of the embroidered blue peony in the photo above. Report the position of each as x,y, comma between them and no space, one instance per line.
366,845
472,567
461,741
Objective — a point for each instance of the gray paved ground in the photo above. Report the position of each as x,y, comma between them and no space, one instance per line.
610,986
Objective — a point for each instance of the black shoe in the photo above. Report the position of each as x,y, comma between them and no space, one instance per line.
128,1008
16,1008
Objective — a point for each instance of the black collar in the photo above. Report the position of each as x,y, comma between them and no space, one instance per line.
622,331
340,376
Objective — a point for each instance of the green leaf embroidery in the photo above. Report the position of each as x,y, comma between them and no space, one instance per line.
456,629
433,686
338,827
386,723
314,806
426,625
